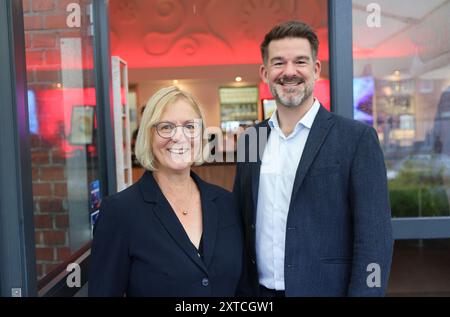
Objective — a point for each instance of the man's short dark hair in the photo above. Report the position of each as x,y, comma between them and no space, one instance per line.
293,29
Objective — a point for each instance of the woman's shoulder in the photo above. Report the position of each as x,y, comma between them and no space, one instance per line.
120,208
216,191
126,196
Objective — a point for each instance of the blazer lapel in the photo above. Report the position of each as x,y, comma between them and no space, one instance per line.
319,130
210,226
168,219
263,133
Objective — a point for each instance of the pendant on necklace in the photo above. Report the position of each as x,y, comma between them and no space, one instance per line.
185,212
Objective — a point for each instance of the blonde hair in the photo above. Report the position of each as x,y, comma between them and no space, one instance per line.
153,111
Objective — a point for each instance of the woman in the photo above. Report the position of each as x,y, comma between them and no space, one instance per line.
170,234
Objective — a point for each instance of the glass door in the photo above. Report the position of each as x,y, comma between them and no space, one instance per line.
63,127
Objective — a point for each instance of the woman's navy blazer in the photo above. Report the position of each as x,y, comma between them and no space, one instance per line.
140,247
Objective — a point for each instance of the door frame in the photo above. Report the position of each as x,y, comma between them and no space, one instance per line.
18,276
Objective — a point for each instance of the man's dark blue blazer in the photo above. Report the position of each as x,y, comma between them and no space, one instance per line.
141,249
339,219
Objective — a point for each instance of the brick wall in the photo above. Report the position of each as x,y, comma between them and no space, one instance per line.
45,25
51,216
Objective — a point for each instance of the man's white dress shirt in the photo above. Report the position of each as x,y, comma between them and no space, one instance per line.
278,168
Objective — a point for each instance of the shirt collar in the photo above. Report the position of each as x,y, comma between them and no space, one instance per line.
307,120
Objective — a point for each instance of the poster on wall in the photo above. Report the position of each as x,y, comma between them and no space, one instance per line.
363,92
81,125
269,106
94,201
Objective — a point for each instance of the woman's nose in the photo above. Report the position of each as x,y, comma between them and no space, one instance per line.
178,133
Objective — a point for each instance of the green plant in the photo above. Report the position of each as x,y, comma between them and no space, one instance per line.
418,193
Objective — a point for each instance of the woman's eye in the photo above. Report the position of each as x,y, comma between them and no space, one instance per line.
167,127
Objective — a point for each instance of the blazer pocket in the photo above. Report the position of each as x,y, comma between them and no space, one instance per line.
338,260
325,170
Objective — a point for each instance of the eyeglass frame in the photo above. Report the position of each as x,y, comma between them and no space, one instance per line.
175,126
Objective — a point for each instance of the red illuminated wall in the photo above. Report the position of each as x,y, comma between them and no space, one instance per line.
151,33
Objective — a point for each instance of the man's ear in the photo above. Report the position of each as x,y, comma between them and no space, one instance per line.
263,73
317,69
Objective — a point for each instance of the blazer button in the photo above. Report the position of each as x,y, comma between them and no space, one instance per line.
205,282
253,226
253,261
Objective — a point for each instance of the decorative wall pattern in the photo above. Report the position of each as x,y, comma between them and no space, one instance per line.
173,33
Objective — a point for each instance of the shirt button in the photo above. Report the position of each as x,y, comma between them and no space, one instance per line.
205,282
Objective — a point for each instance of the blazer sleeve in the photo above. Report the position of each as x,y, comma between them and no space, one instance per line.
237,193
109,261
244,288
373,241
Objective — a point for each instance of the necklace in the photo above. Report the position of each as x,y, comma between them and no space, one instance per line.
170,195
186,211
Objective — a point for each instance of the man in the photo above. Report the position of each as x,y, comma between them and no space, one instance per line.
315,202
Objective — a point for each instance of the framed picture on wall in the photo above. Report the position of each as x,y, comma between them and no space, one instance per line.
269,106
81,125
238,103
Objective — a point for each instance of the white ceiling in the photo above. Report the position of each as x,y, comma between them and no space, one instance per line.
396,16
414,38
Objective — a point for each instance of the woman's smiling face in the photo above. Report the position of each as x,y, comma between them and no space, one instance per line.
177,151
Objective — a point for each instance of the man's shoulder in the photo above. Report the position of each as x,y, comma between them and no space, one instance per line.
264,123
260,125
215,190
348,125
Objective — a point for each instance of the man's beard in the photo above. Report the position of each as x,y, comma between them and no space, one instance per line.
294,99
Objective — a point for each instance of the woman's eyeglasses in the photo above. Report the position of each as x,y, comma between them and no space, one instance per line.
167,130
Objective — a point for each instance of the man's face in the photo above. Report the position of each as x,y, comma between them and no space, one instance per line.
290,71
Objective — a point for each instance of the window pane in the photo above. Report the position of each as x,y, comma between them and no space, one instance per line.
402,88
420,268
62,101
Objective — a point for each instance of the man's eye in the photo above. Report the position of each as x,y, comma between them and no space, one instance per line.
190,126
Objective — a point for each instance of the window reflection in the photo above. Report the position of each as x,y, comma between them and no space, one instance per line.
62,100
402,89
